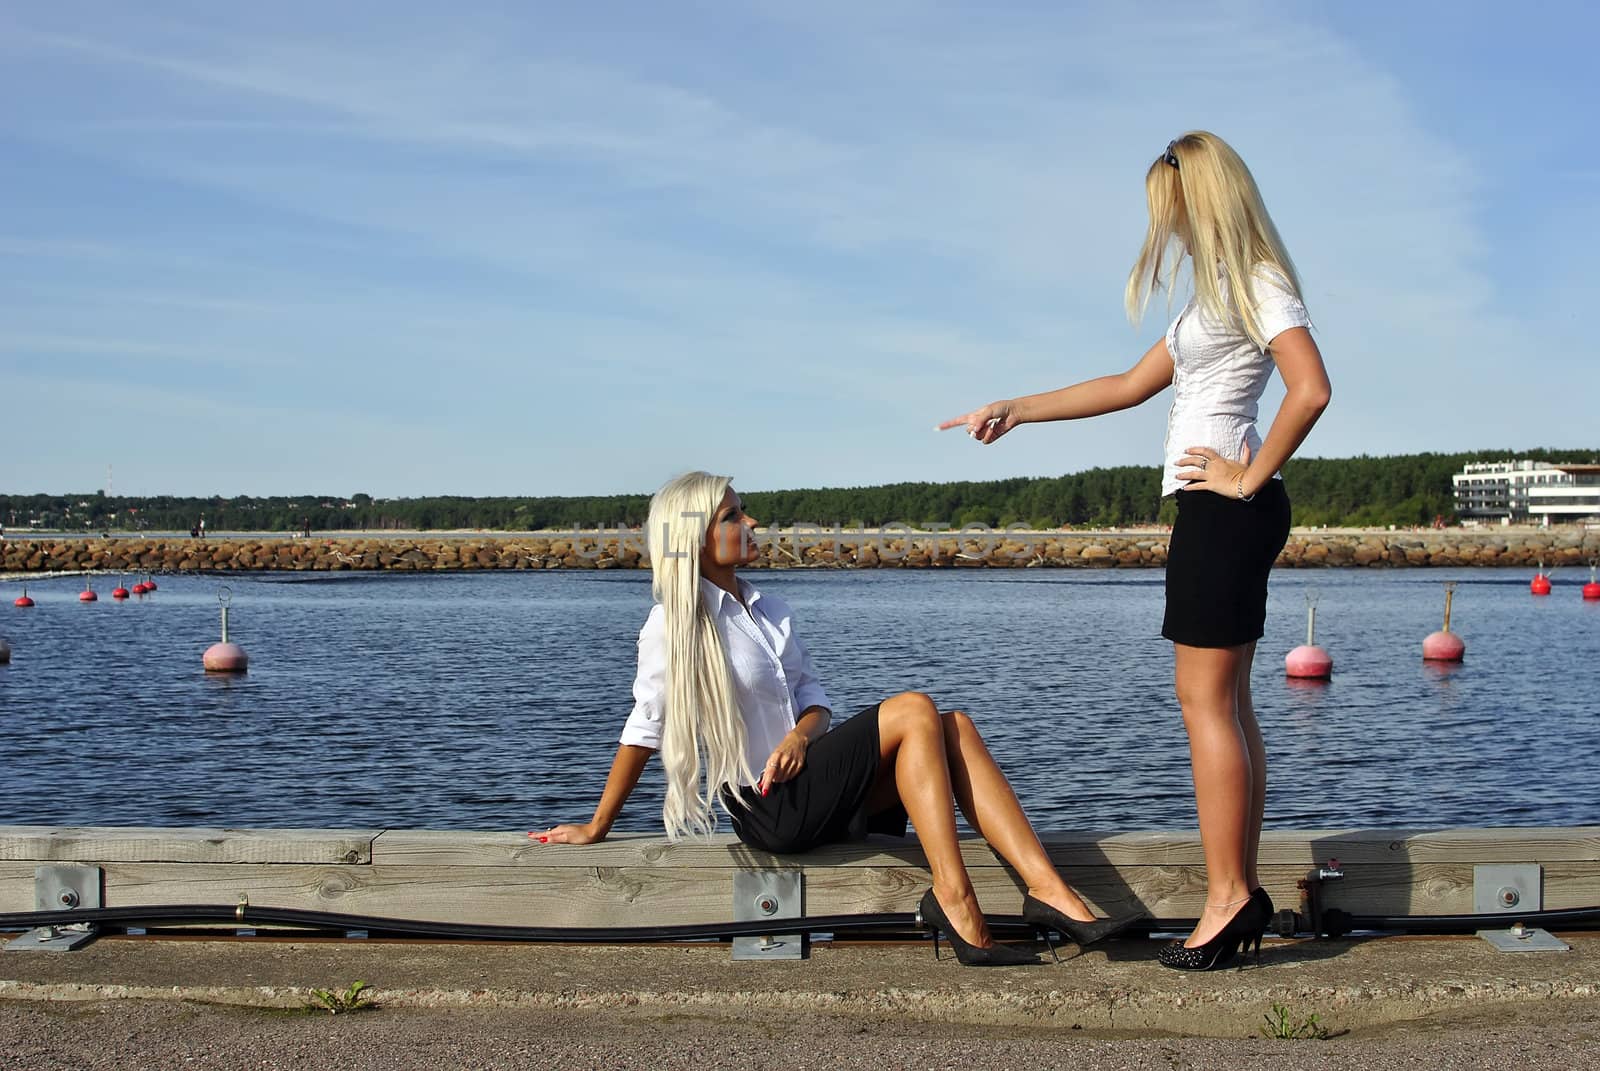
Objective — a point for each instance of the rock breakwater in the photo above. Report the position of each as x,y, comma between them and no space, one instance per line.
1553,547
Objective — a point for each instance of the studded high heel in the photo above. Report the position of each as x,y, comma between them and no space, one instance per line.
968,955
1245,928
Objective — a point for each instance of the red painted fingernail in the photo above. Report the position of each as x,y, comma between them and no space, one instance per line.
544,840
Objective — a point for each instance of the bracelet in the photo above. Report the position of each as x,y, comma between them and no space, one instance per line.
1240,488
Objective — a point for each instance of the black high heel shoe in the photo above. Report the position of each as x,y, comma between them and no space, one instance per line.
1083,934
1247,926
968,955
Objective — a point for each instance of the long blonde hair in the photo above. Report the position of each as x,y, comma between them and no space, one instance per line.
704,728
1209,203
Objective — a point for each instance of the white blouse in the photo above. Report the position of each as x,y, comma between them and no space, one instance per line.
1218,374
774,680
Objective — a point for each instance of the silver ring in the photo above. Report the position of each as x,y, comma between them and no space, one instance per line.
1203,464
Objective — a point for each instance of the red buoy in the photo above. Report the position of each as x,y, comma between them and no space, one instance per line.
1591,590
149,583
1540,585
139,588
88,595
119,592
23,600
1444,645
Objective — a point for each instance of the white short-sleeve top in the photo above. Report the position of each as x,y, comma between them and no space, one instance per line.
1218,374
774,680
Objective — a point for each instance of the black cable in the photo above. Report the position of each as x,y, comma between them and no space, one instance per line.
250,915
246,916
1568,918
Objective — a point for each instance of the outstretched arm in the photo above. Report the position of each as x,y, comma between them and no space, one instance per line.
625,771
1107,394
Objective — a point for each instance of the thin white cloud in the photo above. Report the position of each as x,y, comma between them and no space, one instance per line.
875,208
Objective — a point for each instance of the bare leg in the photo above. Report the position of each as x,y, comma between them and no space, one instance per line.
913,770
1258,769
992,808
1220,755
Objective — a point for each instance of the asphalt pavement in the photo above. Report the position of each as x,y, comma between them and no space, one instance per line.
198,1002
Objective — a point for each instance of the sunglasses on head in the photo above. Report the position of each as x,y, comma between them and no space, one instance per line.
1169,156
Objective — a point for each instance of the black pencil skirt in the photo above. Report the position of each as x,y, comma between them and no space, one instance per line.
1218,559
826,802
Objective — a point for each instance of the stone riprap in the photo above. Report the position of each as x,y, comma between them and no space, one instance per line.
1554,547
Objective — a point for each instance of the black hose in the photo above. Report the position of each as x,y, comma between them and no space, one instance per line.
1575,918
282,916
247,916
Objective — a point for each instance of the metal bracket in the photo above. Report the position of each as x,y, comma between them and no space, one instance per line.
769,894
1512,889
62,888
1507,888
1520,938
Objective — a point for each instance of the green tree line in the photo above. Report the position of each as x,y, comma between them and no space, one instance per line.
1407,489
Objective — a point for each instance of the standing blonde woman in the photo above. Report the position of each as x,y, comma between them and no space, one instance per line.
727,693
1245,317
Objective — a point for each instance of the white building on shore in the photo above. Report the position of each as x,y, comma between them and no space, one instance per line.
1520,492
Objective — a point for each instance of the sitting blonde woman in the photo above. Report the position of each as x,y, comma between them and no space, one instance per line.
727,693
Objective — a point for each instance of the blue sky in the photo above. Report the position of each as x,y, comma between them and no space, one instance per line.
508,248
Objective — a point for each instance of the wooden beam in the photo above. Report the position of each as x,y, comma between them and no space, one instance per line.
638,880
90,844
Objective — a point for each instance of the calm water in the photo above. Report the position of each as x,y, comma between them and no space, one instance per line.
493,701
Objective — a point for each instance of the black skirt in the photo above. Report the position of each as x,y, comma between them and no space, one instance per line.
1218,559
826,802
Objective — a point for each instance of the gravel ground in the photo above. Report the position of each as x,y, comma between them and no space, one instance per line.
1563,1036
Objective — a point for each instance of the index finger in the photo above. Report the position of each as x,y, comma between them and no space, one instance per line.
948,424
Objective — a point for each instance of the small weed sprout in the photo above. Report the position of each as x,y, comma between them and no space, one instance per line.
1282,1026
356,998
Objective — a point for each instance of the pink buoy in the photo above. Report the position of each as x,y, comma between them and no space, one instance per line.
1309,662
225,657
1444,645
22,600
